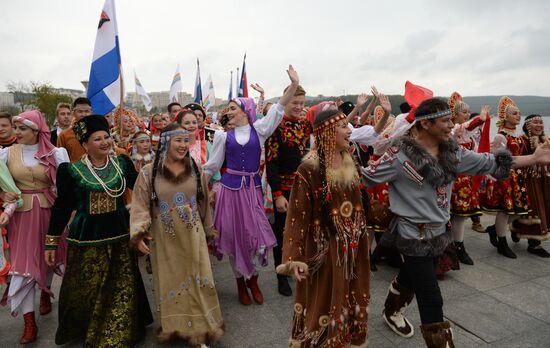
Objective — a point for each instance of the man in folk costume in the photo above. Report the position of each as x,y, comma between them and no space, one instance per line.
464,201
284,151
508,198
535,228
420,173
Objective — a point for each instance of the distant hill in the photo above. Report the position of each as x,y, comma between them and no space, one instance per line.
528,104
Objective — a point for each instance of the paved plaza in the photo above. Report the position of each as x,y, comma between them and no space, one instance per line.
498,302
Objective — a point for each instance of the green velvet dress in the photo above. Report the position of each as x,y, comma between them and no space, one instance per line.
102,299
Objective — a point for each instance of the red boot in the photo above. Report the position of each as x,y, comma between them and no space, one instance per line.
244,298
252,283
30,330
45,303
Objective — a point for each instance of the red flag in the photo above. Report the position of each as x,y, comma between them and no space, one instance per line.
414,96
484,147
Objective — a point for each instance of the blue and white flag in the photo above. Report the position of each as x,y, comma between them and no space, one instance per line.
198,90
104,86
209,100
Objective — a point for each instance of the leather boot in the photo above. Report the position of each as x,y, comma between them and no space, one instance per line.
397,301
504,249
30,330
462,254
282,285
438,335
257,295
492,232
45,303
244,298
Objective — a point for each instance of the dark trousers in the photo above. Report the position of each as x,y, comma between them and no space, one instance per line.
278,227
418,273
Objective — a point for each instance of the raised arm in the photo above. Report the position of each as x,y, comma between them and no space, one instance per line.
371,106
386,105
261,98
361,100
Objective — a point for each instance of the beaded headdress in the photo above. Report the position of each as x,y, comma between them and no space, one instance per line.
166,136
324,129
89,125
504,104
455,103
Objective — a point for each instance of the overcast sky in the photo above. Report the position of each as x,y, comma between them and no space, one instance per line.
476,47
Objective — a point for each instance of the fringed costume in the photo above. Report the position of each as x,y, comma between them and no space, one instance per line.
326,237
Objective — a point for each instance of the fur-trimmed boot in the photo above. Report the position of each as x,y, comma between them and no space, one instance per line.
30,330
244,298
438,335
257,295
397,301
45,303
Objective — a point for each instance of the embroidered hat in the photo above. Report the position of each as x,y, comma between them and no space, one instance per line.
87,126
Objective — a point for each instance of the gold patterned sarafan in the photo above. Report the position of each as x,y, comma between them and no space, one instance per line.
101,203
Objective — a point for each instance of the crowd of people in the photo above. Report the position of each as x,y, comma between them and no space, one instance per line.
329,190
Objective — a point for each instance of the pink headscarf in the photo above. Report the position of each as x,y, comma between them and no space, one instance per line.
45,154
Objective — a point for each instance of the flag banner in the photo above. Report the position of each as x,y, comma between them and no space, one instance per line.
175,87
230,95
209,99
143,95
243,87
104,86
198,90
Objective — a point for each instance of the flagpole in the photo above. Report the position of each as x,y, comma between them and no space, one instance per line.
121,106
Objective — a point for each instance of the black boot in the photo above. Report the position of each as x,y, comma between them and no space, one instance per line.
372,264
492,232
535,248
283,286
462,254
504,249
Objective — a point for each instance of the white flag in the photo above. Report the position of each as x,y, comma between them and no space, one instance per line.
143,95
175,87
210,99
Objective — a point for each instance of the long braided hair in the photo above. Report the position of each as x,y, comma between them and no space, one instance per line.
160,157
325,144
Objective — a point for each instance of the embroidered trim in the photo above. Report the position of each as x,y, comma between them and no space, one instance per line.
411,172
52,240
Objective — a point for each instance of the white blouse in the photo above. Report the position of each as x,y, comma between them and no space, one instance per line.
28,152
264,127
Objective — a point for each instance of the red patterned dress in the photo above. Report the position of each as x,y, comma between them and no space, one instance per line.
509,195
465,199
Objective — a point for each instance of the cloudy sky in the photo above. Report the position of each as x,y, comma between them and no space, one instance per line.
476,47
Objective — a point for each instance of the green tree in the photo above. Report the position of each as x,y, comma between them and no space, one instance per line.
46,99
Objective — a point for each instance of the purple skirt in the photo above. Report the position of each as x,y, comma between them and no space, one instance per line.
245,232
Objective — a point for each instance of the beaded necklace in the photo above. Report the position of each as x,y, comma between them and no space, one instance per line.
114,193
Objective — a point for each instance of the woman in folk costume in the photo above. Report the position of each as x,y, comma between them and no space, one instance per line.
508,197
536,227
141,150
157,123
325,242
102,299
465,200
187,118
126,125
245,234
33,165
170,209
